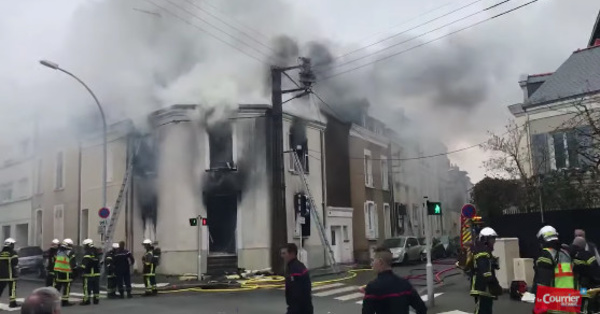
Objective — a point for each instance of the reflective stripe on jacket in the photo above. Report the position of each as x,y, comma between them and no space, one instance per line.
8,264
62,263
563,269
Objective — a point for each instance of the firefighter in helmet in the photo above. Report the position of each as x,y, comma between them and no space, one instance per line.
9,261
149,262
49,259
553,268
111,277
484,284
64,266
90,265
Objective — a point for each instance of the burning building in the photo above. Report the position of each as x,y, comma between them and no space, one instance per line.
198,162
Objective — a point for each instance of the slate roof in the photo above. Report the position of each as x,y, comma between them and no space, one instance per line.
577,76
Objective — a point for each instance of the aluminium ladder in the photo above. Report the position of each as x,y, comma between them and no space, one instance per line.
314,211
114,217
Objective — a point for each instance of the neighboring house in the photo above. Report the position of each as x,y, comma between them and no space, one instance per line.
550,105
16,173
216,165
370,186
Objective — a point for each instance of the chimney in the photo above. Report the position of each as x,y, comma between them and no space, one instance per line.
597,42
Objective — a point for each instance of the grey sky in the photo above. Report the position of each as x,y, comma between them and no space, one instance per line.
137,62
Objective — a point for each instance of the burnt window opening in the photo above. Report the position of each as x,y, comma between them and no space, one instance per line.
220,141
300,148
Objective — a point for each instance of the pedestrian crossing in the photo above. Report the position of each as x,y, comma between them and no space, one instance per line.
345,293
74,297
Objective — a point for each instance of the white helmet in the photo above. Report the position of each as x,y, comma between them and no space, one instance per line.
115,245
547,233
9,241
67,242
487,232
147,242
55,242
88,242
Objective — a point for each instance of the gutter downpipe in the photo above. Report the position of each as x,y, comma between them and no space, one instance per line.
79,161
531,163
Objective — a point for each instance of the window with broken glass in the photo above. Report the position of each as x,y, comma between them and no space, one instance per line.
300,148
220,141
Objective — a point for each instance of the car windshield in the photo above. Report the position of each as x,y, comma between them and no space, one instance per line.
392,243
30,251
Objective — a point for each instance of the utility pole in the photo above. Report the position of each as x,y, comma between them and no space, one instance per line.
429,265
279,234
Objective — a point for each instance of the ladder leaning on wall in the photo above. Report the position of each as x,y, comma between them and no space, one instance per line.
314,212
109,232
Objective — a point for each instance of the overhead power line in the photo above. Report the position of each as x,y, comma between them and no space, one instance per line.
428,42
166,10
231,26
265,37
419,36
408,30
217,28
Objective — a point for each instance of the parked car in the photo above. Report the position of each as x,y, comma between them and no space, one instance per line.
404,249
31,260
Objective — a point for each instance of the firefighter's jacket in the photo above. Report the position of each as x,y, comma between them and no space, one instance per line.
9,260
50,259
109,263
90,264
390,294
553,268
586,269
298,288
122,259
149,262
484,281
64,265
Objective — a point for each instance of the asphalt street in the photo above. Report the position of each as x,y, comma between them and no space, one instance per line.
328,298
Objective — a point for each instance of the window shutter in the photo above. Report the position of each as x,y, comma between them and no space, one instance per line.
367,225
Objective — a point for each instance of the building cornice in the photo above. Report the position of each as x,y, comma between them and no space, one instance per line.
362,133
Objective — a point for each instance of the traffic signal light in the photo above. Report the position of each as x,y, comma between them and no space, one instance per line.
434,208
193,222
204,222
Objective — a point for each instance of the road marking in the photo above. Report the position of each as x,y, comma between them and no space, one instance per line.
455,312
332,285
81,295
351,296
424,298
336,291
141,285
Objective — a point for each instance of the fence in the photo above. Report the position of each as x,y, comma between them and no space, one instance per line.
526,226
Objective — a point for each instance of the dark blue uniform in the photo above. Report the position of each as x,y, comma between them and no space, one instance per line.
122,260
390,294
298,288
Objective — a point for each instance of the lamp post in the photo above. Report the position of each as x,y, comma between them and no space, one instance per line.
55,66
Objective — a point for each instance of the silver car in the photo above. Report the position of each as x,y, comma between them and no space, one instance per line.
404,249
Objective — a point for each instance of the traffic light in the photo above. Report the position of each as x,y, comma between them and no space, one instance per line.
434,208
204,222
193,222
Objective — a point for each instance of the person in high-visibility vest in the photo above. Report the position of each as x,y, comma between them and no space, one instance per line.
91,273
49,259
553,268
149,262
9,261
64,265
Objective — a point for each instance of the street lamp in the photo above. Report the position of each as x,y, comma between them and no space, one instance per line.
55,66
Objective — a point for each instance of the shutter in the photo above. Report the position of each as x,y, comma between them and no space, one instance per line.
367,225
375,222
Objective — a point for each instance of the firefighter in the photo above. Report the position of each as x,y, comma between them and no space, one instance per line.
111,277
64,266
389,293
484,284
90,265
297,282
587,273
553,267
149,271
50,257
123,260
9,261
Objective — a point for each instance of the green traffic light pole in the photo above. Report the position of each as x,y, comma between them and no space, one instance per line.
429,267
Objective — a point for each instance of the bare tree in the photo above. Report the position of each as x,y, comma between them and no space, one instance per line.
508,157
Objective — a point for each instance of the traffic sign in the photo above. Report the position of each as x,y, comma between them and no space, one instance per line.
468,211
104,212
